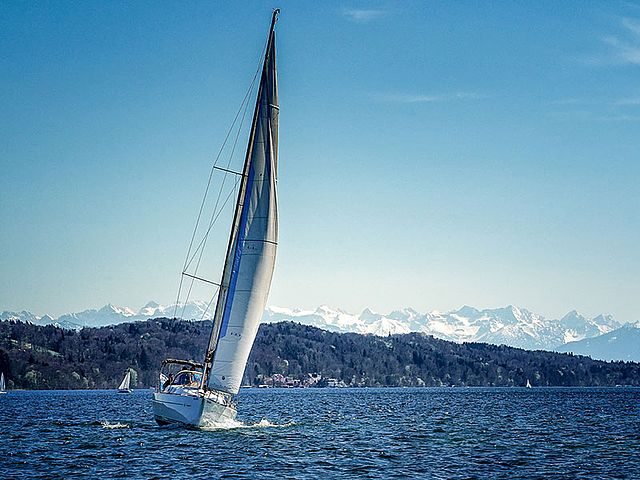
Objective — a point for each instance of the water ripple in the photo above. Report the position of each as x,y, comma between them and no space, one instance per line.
308,434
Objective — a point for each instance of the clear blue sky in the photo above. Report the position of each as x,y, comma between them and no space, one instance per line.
432,154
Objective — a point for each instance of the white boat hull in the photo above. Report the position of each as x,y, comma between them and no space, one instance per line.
191,410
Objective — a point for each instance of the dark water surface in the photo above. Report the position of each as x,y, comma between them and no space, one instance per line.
451,433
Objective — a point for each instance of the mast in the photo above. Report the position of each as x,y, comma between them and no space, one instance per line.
252,241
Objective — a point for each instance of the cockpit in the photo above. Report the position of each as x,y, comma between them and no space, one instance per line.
180,375
188,378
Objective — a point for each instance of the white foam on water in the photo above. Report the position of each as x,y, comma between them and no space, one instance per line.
106,424
266,423
235,424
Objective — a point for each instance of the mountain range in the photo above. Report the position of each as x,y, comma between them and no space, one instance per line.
112,315
620,344
601,337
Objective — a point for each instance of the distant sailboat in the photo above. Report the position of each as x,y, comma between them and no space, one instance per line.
202,393
528,385
126,383
2,385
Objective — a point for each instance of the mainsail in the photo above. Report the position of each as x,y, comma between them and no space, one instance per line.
251,253
126,381
2,387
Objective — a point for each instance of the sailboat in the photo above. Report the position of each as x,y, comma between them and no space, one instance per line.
201,394
2,385
528,385
125,384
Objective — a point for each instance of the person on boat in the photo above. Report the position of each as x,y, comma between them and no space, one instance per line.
168,382
183,378
196,379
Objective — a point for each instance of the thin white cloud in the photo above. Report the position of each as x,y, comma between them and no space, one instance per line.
582,116
628,102
623,51
567,101
422,98
363,15
571,115
619,118
631,24
603,115
622,48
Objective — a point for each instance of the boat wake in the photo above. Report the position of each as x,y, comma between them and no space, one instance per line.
235,424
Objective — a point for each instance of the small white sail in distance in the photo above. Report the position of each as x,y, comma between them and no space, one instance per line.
126,382
2,385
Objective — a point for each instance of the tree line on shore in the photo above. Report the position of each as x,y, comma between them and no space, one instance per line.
48,357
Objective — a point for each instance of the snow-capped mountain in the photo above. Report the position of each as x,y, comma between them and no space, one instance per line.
510,325
192,310
22,316
107,315
337,320
112,315
576,327
620,344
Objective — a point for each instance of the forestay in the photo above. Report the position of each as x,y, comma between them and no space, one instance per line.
252,247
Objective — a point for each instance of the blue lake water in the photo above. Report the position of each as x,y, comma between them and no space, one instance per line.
448,433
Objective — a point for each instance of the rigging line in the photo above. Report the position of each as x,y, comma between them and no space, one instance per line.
224,180
215,294
227,170
203,242
201,279
224,143
245,103
210,302
214,217
204,198
229,195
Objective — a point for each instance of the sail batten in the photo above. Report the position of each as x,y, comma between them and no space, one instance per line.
253,242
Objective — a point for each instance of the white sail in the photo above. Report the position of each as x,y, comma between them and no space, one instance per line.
2,386
126,381
246,277
251,254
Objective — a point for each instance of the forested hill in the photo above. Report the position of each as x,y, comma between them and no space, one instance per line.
49,357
